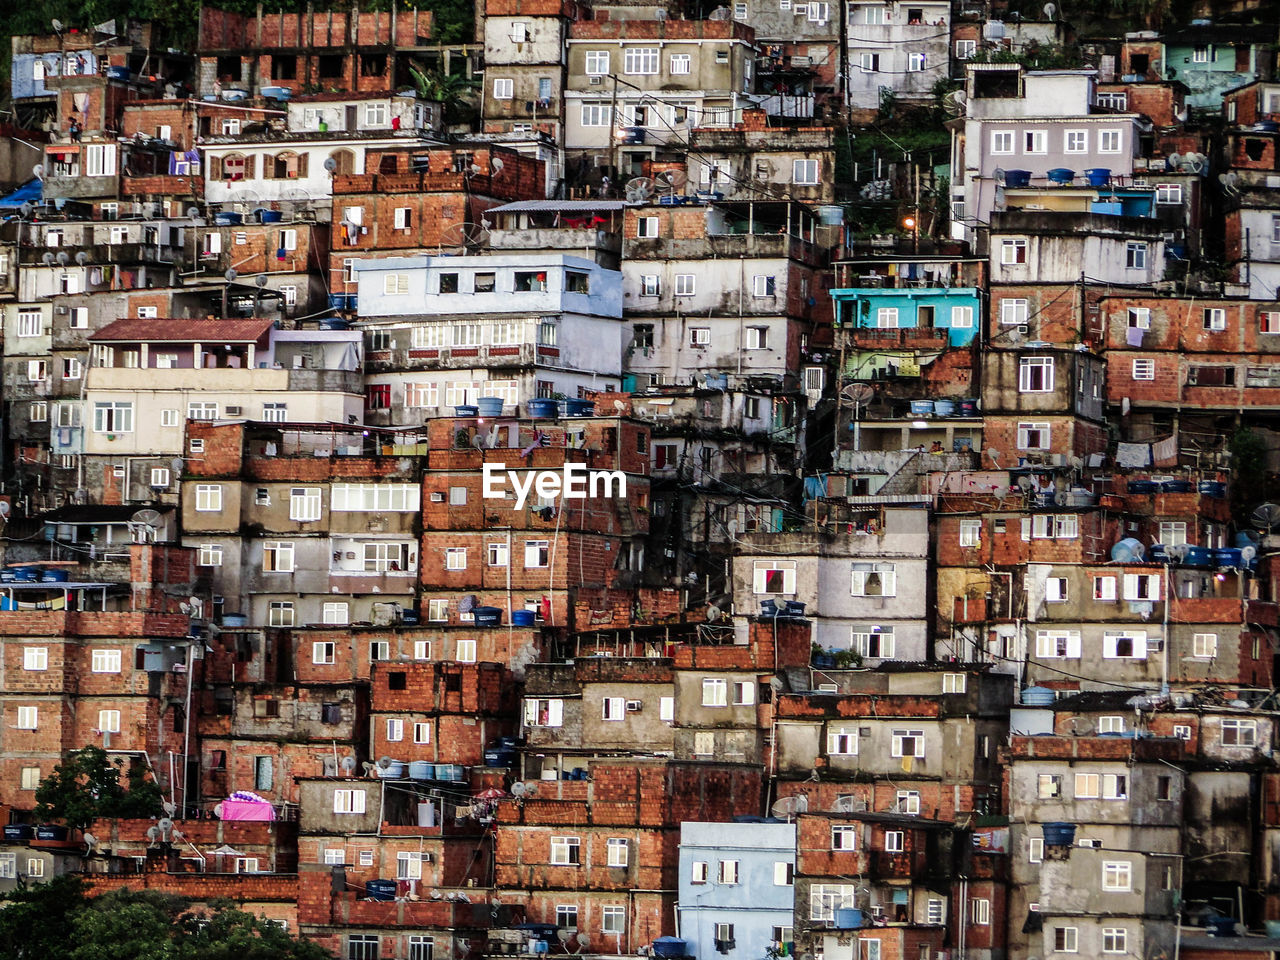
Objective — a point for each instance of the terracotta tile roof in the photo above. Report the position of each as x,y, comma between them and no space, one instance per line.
183,330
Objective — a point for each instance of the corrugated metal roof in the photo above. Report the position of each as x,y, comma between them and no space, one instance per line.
184,331
559,206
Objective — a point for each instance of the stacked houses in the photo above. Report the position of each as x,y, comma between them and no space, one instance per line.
567,530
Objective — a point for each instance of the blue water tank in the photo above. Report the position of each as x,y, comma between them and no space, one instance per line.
523,618
421,770
541,407
382,890
670,947
848,918
487,616
1017,178
489,406
1038,697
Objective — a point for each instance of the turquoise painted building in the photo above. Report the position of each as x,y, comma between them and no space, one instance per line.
1213,58
956,310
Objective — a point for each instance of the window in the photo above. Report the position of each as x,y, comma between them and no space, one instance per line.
1075,141
763,286
1048,786
109,721
1200,54
113,417
1104,589
335,612
874,580
1013,251
1033,435
402,218
1111,724
208,498
202,411
1135,255
596,115
842,742
1035,141
1065,939
28,718
774,576
1215,318
536,553
908,802
455,558
1110,141
907,743
1035,375
961,318
30,323
965,49
1115,940
685,285
1168,193
564,851
804,172
613,708
875,641
29,780
106,661
360,497
1058,646
1144,369
613,919
698,872
953,683
1204,645
35,658
324,652
981,911
935,911
544,713
1013,310
744,693
503,88
422,733
970,533
1087,786
465,651
280,613
1121,646
597,62
566,916
168,418
395,730
1139,318
277,556
348,801
826,898
1117,875
915,62
640,60
869,62
1002,141
715,692
1239,733
728,872
159,477
894,841
649,286
757,338
304,504
395,285
646,227
887,318
1139,586
680,63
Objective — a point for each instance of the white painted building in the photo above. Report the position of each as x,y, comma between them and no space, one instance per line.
901,48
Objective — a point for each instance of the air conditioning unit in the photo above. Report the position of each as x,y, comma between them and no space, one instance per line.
426,858
61,311
437,497
1023,329
595,81
1155,646
635,706
233,411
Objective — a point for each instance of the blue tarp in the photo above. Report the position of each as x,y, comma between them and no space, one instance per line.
30,192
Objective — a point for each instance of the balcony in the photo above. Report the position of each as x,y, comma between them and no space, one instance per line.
461,358
551,238
735,243
102,253
898,338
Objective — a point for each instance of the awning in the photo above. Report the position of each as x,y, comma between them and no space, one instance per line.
560,206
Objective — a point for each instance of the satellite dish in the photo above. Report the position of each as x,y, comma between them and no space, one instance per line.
639,189
178,834
348,764
466,603
1178,551
1050,11
789,806
563,934
474,170
90,840
185,608
4,509
1077,463
519,789
858,394
998,174
1248,553
1128,550
82,258
193,212
993,455
714,613
146,517
260,280
25,209
1266,517
583,942
464,234
496,164
231,274
368,768
153,833
63,258
1061,498
38,171
619,406
47,259
384,763
330,164
1173,160
1025,484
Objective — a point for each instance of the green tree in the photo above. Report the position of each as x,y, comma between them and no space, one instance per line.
86,786
58,921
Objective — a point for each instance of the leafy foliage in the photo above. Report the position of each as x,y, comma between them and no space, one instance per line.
57,921
87,786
